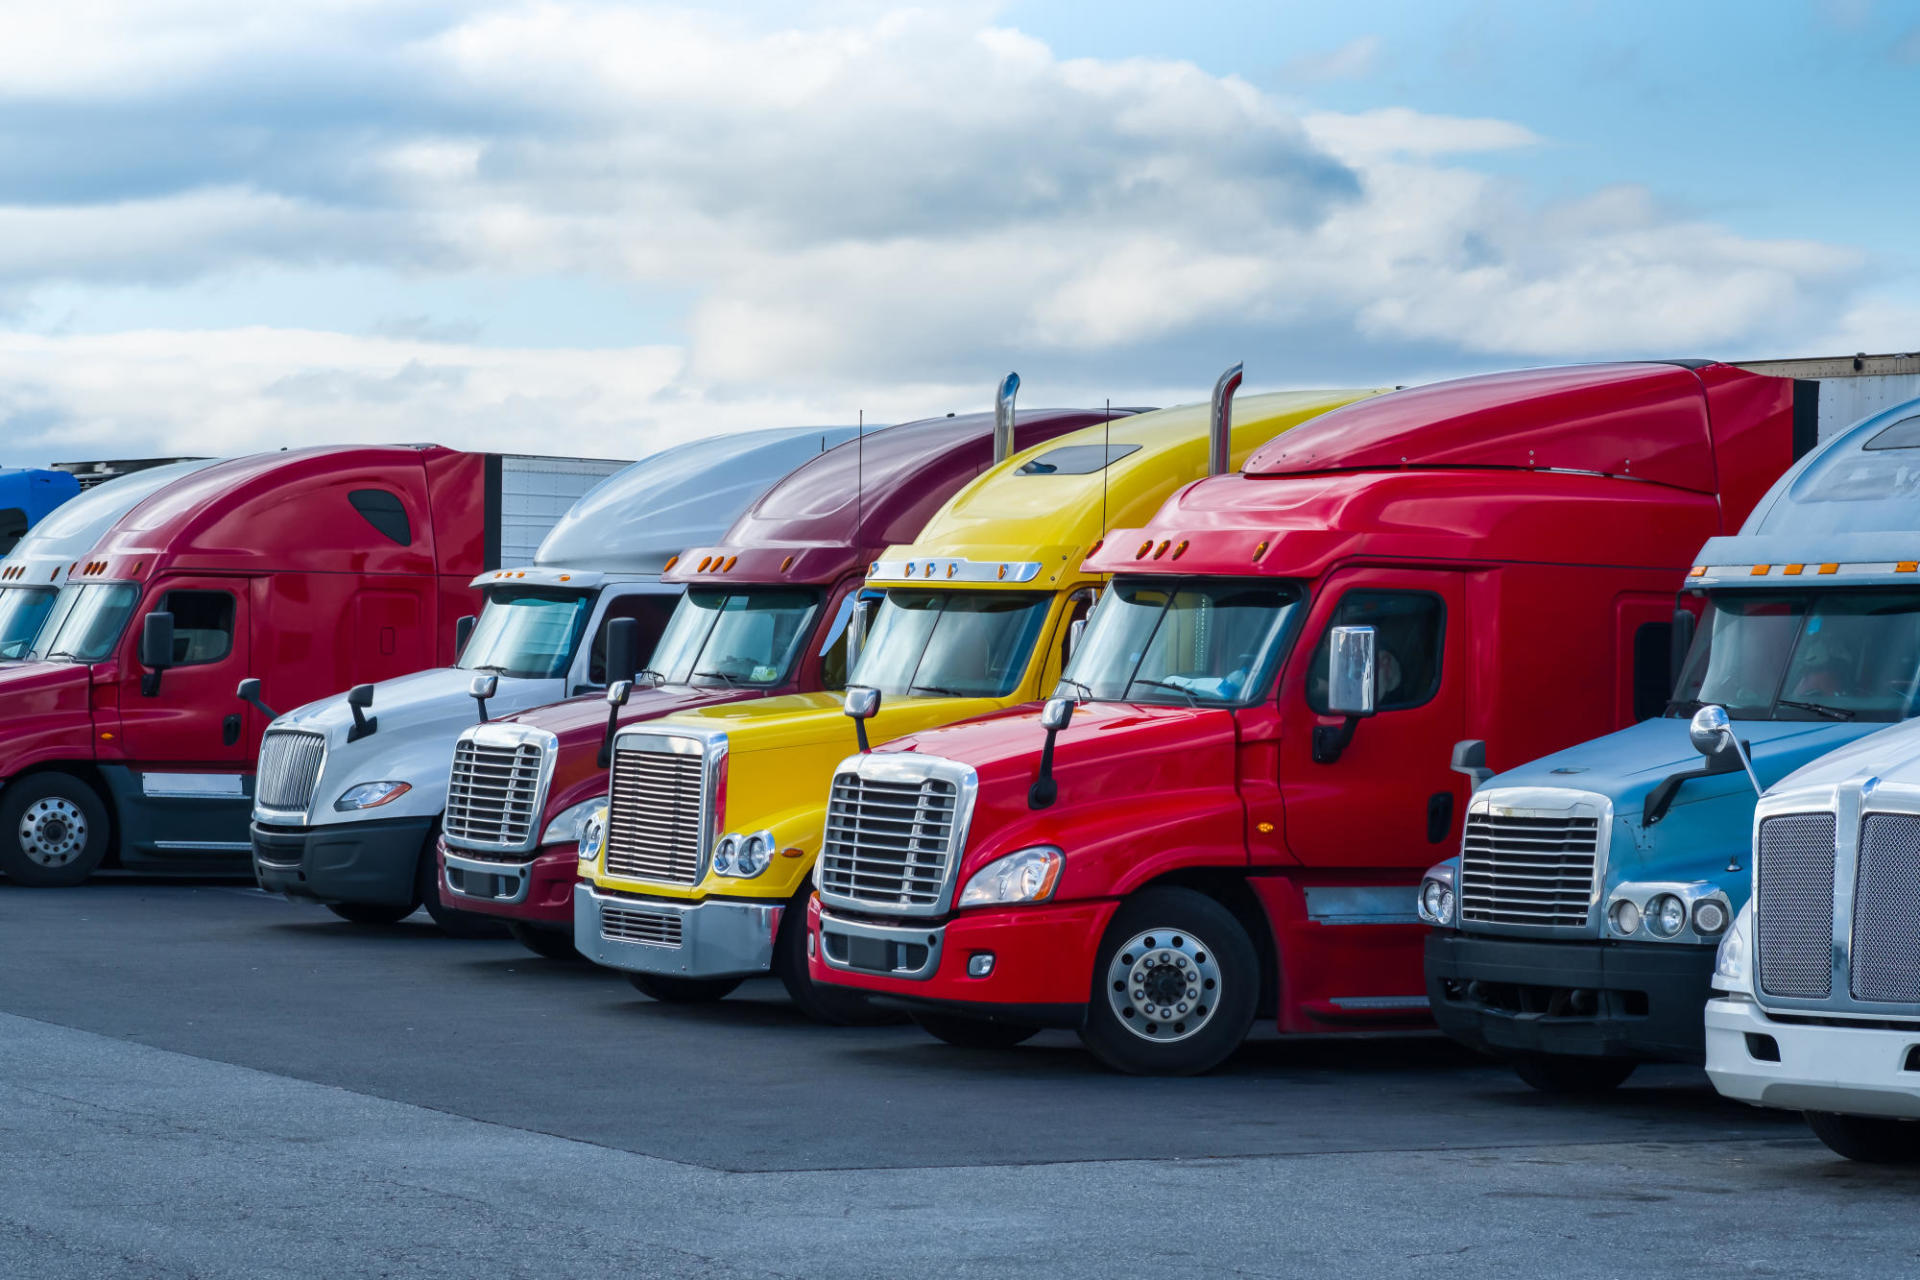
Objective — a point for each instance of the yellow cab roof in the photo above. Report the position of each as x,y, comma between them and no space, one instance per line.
1023,519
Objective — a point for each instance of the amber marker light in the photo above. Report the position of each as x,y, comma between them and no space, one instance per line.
1760,570
1793,570
1098,543
1162,548
1180,550
1003,571
704,562
1829,568
951,566
731,561
793,853
1698,571
786,564
1906,566
1144,548
671,561
1261,550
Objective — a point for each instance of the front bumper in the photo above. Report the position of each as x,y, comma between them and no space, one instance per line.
1042,969
371,862
1821,1067
1510,996
539,891
713,938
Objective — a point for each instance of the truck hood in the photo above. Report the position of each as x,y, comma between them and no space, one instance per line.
797,720
20,679
1892,754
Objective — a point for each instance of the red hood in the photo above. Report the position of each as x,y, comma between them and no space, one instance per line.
45,708
20,679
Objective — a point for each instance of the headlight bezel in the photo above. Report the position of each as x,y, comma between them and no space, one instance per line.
993,884
567,826
1441,882
592,840
731,856
1644,901
395,789
1733,958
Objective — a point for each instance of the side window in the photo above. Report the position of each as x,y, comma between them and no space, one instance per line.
1409,634
202,626
385,512
13,526
1078,606
833,651
1652,669
650,609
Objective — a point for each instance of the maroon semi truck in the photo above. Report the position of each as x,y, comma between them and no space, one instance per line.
774,609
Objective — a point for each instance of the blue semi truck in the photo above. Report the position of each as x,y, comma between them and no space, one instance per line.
29,494
1574,934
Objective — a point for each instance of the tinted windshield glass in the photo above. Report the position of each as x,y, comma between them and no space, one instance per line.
530,632
1834,655
955,643
747,638
22,610
1191,642
86,621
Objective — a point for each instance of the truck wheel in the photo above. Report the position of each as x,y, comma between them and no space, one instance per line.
370,912
1868,1139
53,831
554,944
973,1033
1175,985
683,990
453,922
1564,1074
835,1006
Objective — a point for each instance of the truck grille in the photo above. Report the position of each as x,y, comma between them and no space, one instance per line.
656,816
1793,905
1531,871
890,844
632,924
494,794
289,770
1885,961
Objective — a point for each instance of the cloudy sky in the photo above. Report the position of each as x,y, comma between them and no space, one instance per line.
597,228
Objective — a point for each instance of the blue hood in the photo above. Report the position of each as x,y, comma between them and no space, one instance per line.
1710,822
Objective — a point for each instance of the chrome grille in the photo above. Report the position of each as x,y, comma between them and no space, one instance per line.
494,794
289,770
889,844
657,814
1532,871
1793,905
1885,959
633,924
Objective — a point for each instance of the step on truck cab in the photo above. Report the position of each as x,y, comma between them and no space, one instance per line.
1576,927
1226,812
307,570
353,786
33,570
700,877
769,610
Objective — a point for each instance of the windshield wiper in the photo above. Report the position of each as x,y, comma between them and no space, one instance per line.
942,690
658,679
1086,692
733,682
494,667
1162,684
1831,713
1683,706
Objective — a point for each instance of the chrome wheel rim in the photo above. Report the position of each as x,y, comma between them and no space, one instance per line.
1164,985
53,831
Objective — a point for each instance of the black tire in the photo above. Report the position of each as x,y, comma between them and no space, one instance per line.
1868,1139
1570,1076
835,1006
453,922
1182,937
554,944
54,831
973,1033
370,912
683,990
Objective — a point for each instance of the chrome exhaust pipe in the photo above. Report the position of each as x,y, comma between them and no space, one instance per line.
1220,423
1003,417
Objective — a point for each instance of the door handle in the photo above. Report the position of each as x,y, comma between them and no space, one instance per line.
230,729
1439,816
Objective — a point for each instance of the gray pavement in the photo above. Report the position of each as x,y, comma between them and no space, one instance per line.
201,1080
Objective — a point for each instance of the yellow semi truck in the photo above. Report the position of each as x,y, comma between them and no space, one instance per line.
697,877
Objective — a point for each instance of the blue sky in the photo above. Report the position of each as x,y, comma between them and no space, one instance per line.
578,226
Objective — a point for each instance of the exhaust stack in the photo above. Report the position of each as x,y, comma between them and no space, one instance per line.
1220,422
1003,417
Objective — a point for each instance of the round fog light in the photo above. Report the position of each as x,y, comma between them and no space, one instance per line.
1709,917
1666,915
1625,917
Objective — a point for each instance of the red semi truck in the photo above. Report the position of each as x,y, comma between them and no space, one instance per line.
1273,708
307,571
769,611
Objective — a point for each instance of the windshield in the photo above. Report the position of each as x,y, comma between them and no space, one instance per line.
969,644
1192,642
529,632
85,621
22,610
744,638
1807,655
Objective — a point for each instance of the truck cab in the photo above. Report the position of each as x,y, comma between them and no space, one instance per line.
353,786
699,877
1224,813
28,496
1575,931
771,609
305,570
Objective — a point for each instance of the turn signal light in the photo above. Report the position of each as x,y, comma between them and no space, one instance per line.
1260,550
1698,571
786,564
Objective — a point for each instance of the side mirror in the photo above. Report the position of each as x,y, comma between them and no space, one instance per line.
359,698
462,632
862,705
482,689
1712,733
249,693
623,651
1055,716
1470,758
1075,629
1350,671
617,694
156,650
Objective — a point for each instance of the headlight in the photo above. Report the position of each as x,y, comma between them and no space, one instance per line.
1435,899
593,832
1625,917
370,795
1666,915
1028,875
753,854
1732,964
568,825
723,853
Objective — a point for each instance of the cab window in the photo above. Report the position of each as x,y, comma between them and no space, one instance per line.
650,609
1409,630
202,626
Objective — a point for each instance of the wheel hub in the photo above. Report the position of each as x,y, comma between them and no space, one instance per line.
1164,985
53,831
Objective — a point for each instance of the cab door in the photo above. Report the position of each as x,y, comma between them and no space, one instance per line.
193,718
1389,798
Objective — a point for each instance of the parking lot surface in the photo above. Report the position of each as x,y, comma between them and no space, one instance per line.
203,1080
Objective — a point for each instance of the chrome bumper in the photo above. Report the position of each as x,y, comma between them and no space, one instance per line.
1856,1070
487,881
896,951
716,938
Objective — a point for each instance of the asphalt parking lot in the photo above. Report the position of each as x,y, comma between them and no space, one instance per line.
200,1080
